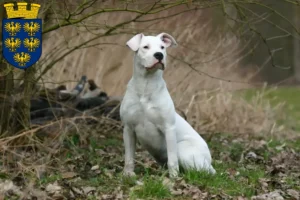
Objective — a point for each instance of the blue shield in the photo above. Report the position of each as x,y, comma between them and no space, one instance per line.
22,41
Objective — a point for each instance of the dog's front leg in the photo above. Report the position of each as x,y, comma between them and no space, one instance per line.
129,138
171,142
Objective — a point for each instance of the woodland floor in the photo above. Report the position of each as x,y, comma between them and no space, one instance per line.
247,168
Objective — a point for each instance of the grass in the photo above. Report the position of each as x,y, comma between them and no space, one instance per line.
236,174
295,144
235,177
50,179
289,95
236,151
230,179
153,187
292,181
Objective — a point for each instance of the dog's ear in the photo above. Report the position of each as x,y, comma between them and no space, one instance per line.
135,41
167,39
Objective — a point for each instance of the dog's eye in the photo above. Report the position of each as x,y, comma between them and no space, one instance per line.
146,47
162,47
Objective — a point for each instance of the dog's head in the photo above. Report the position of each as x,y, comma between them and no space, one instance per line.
151,50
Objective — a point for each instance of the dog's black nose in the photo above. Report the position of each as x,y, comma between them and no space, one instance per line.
159,56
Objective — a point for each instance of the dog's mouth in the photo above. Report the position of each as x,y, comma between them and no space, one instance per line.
158,65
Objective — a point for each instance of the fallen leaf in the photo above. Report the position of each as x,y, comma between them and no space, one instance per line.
53,188
294,194
9,186
108,173
95,167
77,190
168,183
139,182
275,195
88,190
176,192
68,175
251,155
241,198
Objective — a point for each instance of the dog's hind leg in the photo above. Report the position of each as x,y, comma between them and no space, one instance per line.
191,158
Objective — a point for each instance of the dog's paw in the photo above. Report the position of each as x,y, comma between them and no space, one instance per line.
173,170
128,173
173,174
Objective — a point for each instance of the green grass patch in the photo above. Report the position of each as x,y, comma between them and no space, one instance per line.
229,179
236,175
293,183
152,187
96,181
50,179
112,142
236,150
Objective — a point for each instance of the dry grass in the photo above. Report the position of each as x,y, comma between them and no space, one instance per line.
209,112
222,111
61,154
205,45
55,154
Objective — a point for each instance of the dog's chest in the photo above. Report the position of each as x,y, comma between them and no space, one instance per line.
143,110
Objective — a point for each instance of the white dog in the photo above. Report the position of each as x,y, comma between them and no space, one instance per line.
148,113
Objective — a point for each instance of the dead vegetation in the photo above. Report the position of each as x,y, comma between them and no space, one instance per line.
228,112
81,157
86,162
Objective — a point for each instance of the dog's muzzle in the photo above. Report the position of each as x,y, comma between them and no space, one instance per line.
158,65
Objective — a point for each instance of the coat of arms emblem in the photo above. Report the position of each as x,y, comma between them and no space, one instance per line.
22,34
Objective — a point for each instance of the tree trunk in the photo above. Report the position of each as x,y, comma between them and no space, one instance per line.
6,104
23,106
14,120
6,87
22,112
